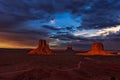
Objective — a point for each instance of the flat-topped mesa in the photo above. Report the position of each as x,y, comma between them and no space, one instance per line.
98,49
42,49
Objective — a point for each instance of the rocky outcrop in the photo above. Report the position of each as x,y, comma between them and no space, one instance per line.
118,53
98,49
42,49
69,50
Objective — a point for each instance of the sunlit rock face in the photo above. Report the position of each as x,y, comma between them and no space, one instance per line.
97,46
98,49
118,53
42,49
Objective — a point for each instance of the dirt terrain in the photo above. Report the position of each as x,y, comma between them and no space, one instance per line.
16,64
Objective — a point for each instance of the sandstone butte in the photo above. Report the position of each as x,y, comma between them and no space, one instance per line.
97,49
69,50
42,49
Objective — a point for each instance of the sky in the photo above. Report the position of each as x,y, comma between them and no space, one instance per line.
60,22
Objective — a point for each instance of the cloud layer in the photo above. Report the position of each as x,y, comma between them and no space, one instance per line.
75,21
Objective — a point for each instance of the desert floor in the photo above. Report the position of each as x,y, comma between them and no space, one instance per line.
18,65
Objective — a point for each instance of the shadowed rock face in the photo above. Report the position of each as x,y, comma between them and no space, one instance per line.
98,49
42,49
69,47
69,50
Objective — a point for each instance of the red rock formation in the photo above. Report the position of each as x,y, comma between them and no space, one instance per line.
69,50
69,47
98,49
42,49
118,53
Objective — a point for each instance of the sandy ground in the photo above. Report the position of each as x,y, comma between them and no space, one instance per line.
17,65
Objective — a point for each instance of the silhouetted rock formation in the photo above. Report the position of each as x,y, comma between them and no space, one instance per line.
69,47
42,49
69,50
98,49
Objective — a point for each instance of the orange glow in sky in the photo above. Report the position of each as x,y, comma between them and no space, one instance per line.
13,45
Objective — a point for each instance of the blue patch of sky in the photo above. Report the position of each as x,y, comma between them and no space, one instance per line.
63,20
88,7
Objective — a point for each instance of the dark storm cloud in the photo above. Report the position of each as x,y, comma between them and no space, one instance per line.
25,34
16,11
70,28
102,13
115,37
51,28
99,21
69,37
